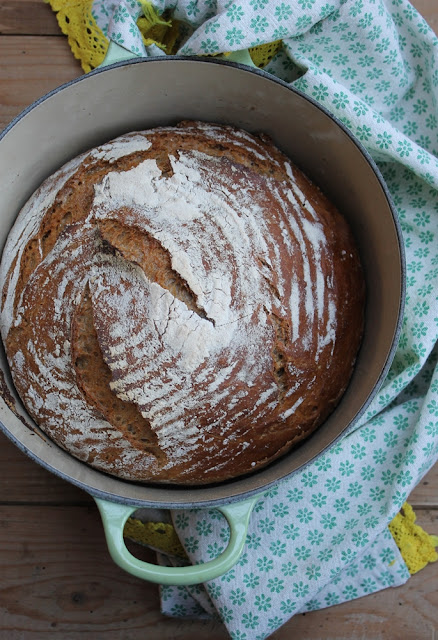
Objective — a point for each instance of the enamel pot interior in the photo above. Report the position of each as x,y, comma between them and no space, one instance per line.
143,94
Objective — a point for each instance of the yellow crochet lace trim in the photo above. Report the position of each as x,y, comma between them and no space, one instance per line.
416,546
264,53
89,44
159,30
158,535
86,39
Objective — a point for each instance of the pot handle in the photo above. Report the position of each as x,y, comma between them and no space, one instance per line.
117,53
114,517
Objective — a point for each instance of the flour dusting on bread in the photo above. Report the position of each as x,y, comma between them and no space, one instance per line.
180,305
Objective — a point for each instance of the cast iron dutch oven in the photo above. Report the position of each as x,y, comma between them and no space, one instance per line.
140,93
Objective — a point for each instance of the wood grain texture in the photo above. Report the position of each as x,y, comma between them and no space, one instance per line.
22,481
34,66
56,578
27,17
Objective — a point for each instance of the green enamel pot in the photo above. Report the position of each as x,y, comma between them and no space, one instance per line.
133,94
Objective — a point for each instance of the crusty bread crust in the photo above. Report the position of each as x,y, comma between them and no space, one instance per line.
180,305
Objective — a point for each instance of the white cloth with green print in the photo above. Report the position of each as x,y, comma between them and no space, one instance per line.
321,537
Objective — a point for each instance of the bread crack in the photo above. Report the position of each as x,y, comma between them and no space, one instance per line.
94,379
141,248
282,338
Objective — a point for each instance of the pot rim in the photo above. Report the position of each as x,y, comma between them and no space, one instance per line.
245,493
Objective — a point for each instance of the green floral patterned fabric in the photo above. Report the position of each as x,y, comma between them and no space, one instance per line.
321,537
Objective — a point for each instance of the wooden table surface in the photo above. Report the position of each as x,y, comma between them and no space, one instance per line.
56,578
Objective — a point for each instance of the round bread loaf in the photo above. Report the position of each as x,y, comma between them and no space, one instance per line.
180,305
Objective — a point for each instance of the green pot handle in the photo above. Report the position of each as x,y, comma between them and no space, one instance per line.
117,53
114,517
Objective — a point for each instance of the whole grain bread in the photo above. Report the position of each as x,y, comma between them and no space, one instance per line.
180,305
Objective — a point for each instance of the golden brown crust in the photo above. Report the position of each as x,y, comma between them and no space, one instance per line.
181,305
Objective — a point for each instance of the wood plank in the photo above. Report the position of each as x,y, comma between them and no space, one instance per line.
23,481
58,581
34,66
27,17
425,494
